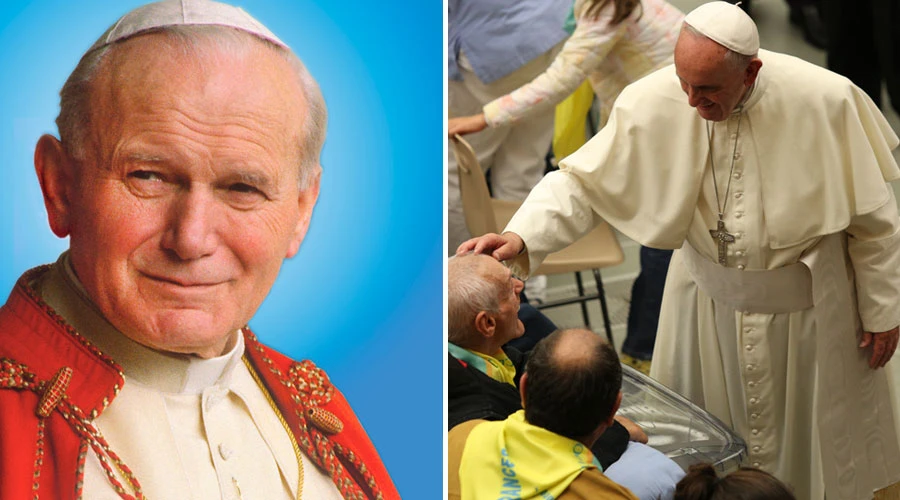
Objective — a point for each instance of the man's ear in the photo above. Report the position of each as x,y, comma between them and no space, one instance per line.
56,174
307,201
522,381
752,71
615,410
485,323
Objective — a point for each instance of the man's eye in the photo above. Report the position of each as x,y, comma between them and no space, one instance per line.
145,175
243,188
148,183
244,196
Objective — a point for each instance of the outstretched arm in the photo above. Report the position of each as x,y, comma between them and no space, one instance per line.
583,53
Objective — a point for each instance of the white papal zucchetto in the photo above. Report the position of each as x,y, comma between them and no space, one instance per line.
180,12
726,24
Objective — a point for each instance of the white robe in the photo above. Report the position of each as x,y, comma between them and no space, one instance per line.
812,159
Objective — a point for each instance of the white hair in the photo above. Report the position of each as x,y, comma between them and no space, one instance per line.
468,293
74,118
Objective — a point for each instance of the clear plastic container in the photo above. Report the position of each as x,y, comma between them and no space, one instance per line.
678,428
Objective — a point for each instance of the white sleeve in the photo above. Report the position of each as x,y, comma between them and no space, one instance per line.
873,245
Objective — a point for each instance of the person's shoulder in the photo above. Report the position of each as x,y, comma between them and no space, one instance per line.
291,381
461,432
456,445
270,356
658,87
299,375
456,441
657,93
312,406
473,395
662,81
797,77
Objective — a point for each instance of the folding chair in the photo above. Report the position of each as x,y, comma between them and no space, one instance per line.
483,214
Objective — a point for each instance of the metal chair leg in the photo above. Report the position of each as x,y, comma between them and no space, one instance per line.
603,307
584,311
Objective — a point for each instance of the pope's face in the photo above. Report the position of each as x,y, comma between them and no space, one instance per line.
712,84
187,200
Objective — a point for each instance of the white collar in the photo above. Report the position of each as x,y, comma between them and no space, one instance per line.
163,371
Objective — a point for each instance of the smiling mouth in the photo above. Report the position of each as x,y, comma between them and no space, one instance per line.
182,283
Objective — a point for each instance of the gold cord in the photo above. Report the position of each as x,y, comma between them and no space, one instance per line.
287,428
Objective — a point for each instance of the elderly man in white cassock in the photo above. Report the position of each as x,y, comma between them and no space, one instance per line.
186,171
770,174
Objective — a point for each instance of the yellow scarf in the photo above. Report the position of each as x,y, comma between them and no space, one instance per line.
499,368
513,459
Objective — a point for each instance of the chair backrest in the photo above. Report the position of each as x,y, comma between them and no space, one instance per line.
473,189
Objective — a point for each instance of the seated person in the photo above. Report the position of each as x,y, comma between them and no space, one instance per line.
570,392
702,483
483,376
484,371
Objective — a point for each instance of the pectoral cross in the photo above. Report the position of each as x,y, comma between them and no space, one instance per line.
723,237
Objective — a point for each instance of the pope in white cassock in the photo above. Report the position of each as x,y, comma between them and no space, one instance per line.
770,175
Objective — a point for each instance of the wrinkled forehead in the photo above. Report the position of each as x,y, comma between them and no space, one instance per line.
148,80
156,67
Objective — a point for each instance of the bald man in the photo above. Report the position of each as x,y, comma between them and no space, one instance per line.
570,393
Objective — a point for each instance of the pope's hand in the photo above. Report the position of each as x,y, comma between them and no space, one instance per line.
500,246
883,346
466,125
635,433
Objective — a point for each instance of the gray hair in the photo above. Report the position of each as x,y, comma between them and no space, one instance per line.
74,118
732,58
468,293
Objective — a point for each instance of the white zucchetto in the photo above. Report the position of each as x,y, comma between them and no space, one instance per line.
182,12
726,24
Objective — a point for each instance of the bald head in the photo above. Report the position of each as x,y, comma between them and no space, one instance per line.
482,301
577,348
573,383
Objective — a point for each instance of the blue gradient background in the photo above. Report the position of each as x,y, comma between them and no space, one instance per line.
363,296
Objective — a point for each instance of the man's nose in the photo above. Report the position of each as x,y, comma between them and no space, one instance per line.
694,97
191,226
518,285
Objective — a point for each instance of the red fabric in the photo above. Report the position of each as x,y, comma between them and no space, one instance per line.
34,339
353,436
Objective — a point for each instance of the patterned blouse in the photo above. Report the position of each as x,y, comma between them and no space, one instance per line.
611,56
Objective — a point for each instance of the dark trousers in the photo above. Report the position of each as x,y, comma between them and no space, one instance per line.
863,45
646,299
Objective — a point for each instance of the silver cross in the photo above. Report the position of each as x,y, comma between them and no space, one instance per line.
723,237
